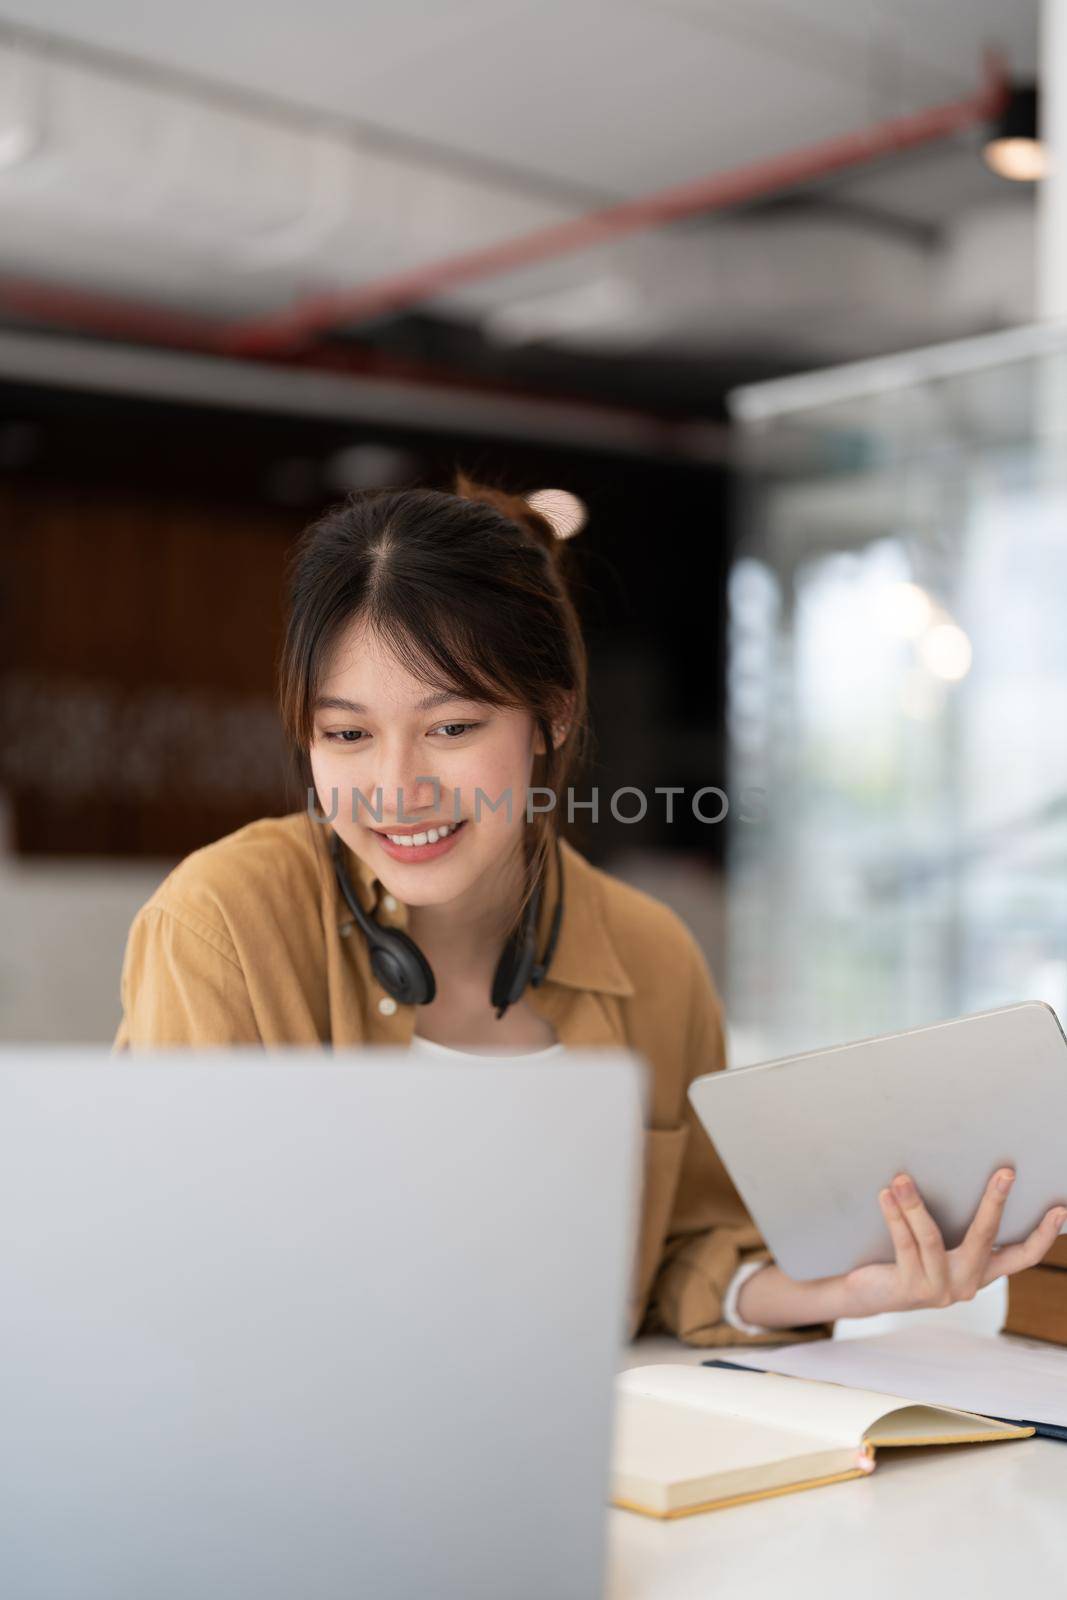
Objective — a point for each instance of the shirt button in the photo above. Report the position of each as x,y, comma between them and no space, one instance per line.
389,902
345,929
387,1005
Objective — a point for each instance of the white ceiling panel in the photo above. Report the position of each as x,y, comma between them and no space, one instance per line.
615,96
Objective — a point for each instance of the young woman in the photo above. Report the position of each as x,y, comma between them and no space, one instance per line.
433,678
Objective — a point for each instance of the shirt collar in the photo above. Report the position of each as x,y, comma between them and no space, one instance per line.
586,956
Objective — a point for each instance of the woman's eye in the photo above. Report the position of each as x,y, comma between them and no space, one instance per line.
346,736
456,729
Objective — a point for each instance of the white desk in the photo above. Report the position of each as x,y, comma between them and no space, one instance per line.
971,1520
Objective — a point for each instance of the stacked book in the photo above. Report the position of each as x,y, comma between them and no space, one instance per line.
1037,1298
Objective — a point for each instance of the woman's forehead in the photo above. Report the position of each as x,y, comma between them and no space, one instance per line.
365,667
362,658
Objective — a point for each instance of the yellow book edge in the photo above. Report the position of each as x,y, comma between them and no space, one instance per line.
738,1499
1009,1432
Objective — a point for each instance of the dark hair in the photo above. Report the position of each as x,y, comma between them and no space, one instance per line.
468,590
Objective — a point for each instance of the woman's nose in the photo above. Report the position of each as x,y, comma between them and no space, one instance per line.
406,786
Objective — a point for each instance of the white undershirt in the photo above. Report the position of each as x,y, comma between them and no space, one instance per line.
429,1048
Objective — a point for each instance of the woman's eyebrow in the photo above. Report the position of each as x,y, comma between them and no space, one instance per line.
337,703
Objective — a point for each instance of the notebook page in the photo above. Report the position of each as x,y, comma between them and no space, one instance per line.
998,1376
820,1410
934,1425
673,1443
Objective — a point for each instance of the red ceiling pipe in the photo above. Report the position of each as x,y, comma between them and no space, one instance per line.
109,318
287,332
89,312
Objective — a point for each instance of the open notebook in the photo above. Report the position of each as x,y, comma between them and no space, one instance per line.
695,1438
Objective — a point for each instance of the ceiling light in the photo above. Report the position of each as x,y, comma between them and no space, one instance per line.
907,610
567,514
1014,149
946,652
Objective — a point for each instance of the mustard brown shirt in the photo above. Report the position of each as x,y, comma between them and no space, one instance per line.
249,941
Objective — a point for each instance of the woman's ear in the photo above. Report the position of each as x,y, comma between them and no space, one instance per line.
559,724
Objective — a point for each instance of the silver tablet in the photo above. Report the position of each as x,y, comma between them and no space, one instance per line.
810,1139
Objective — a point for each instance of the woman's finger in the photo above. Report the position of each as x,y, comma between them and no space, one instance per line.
907,1251
973,1250
927,1234
1029,1251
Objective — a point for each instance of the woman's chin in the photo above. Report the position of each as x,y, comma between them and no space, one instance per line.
441,892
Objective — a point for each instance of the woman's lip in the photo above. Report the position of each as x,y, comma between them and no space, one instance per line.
414,853
422,827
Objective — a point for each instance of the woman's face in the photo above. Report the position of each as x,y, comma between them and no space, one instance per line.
382,735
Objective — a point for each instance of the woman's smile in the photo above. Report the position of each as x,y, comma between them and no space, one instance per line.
414,844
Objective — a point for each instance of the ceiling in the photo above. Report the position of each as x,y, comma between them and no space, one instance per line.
590,98
330,145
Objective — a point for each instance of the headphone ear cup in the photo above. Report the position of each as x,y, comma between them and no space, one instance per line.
395,959
400,966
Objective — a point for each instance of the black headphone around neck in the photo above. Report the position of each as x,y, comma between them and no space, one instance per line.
404,972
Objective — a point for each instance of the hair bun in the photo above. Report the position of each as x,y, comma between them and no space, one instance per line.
547,514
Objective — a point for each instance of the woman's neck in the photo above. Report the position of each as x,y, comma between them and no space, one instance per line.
463,938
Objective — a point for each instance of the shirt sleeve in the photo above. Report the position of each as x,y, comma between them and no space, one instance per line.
181,984
730,1312
710,1235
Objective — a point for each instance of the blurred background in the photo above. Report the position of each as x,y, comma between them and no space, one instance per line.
772,288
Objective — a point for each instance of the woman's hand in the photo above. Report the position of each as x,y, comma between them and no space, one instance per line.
924,1272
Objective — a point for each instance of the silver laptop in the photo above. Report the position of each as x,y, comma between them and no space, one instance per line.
310,1326
810,1139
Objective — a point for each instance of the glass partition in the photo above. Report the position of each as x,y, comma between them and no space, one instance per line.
897,691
